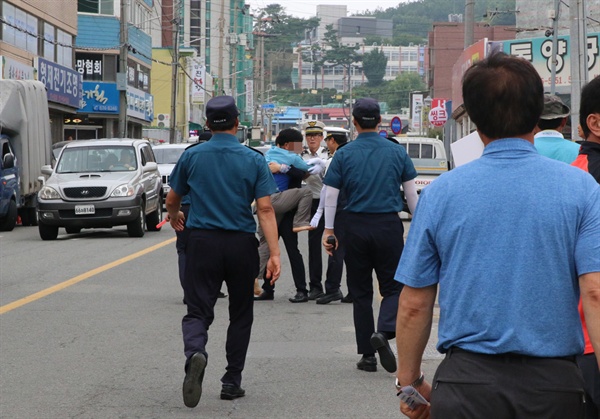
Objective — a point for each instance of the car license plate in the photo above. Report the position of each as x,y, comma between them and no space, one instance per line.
84,209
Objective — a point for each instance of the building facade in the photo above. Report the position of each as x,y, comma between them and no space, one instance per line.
36,42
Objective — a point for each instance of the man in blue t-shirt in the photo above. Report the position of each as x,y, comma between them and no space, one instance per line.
508,242
549,140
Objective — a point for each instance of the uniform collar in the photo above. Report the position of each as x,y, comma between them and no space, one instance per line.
224,137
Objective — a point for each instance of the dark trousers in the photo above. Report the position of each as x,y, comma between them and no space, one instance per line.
373,242
290,240
591,377
214,256
335,263
315,245
506,386
182,237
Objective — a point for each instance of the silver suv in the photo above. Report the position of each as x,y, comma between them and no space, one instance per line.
101,184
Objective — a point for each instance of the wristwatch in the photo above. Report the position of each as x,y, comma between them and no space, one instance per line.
415,383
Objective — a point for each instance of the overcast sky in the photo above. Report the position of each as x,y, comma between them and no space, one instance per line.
308,8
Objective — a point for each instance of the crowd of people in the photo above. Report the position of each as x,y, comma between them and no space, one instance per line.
508,245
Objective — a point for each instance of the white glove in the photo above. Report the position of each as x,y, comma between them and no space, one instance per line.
316,218
316,161
316,169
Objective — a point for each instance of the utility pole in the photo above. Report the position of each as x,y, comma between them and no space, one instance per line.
122,76
220,82
554,46
174,73
579,64
469,22
234,48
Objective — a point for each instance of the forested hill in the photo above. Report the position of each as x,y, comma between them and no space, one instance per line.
413,20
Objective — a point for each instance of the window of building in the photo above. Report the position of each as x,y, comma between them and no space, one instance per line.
49,48
64,54
101,7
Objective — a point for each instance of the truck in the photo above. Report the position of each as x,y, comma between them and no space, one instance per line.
25,146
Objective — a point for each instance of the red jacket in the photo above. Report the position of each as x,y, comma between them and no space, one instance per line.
588,160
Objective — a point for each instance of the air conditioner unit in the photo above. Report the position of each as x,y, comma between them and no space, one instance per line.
163,120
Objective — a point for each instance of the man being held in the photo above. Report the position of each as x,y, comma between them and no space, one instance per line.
222,245
369,171
549,140
508,305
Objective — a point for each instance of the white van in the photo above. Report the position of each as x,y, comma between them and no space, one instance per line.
428,156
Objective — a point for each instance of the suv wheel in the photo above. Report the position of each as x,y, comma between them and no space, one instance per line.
47,232
137,227
10,220
155,217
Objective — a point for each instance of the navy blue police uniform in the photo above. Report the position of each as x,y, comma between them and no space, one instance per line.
221,177
369,172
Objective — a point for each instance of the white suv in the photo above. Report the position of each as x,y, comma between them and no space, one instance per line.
101,184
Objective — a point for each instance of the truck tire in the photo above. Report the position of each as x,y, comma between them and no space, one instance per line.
47,232
155,217
137,227
9,222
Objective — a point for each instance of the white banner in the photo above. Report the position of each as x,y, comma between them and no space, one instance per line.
416,114
249,96
198,73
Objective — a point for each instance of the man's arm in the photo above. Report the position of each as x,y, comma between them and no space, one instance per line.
413,327
173,204
266,218
589,285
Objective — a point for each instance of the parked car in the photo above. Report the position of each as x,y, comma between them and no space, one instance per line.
167,156
101,184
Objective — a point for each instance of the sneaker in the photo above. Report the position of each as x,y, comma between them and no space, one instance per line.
192,383
231,391
386,356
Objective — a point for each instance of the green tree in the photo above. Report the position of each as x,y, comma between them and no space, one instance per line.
374,64
281,33
337,54
395,93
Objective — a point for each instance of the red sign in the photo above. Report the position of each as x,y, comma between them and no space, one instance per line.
438,114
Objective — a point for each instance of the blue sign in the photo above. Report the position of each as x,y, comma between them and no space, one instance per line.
63,84
383,133
100,97
140,104
396,125
268,106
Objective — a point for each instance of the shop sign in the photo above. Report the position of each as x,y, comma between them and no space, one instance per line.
63,84
99,97
14,70
140,104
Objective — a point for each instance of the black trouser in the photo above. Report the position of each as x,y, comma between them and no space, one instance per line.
591,377
214,256
315,257
290,240
506,386
182,237
373,242
335,263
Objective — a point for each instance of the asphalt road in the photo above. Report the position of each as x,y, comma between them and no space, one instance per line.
90,327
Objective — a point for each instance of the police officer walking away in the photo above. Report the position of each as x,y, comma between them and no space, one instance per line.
369,172
222,179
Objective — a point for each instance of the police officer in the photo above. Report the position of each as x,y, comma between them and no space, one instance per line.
222,179
369,172
315,155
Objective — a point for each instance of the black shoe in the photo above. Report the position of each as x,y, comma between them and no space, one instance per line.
367,363
264,296
192,383
221,294
330,296
386,356
300,297
231,391
314,294
347,299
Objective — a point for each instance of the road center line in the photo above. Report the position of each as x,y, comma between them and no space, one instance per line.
58,287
